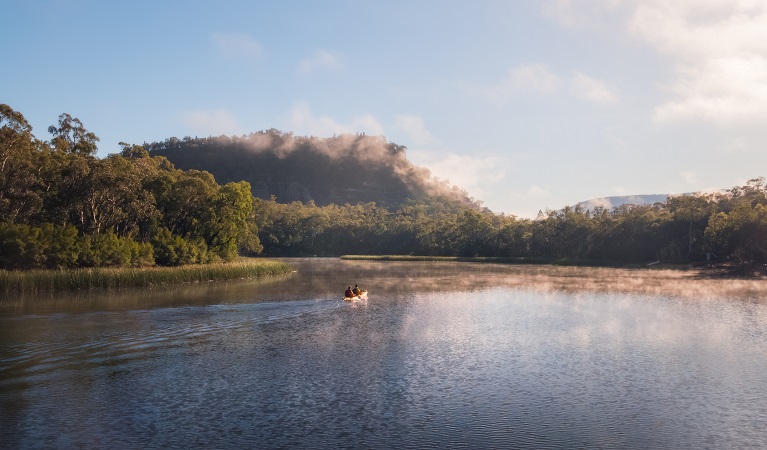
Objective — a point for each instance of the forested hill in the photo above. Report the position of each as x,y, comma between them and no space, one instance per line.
61,206
343,169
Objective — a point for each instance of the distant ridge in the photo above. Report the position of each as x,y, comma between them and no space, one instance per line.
615,201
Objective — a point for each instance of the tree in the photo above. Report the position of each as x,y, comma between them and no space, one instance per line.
693,211
132,151
474,233
185,202
741,233
14,128
231,208
20,186
72,137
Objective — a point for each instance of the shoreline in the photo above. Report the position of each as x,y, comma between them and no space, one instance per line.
36,281
519,260
749,270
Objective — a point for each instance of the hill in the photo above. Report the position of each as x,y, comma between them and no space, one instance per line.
343,169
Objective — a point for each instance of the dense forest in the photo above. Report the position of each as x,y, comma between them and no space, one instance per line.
61,206
727,226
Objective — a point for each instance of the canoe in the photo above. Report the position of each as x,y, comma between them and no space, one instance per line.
362,296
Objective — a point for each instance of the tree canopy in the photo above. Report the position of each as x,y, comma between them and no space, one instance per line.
61,206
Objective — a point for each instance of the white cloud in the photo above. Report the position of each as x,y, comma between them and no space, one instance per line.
320,60
532,191
237,46
581,13
739,144
721,90
540,79
477,175
689,176
717,49
211,122
521,79
303,121
700,29
593,90
415,129
525,203
368,124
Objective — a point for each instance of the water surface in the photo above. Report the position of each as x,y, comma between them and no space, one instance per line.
442,355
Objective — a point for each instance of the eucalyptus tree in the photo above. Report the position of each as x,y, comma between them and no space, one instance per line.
739,229
230,208
691,213
20,184
71,136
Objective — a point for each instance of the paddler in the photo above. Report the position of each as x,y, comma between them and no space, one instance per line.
357,290
349,293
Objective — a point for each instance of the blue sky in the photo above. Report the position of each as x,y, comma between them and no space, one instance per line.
527,104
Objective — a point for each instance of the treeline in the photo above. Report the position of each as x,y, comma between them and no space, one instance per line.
62,207
725,226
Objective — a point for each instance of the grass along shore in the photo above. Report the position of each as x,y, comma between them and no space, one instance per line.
130,277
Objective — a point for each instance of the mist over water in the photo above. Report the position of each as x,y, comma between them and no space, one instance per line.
442,355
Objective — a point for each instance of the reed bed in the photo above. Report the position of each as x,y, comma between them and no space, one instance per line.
126,277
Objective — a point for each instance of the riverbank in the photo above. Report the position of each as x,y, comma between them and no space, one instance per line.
495,259
18,282
747,270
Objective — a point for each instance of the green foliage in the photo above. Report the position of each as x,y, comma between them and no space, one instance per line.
680,229
71,136
230,209
48,246
109,249
174,250
18,246
20,185
741,232
61,207
61,246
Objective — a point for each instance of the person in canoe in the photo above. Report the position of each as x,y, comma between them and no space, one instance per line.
349,293
357,290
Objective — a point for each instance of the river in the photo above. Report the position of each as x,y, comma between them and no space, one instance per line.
441,355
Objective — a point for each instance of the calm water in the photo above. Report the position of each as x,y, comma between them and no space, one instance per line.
440,356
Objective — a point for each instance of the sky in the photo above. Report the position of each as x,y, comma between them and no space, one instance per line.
527,104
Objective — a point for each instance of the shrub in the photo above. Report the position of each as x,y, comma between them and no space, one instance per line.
172,250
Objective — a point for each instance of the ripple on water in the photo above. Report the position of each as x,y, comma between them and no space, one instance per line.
483,369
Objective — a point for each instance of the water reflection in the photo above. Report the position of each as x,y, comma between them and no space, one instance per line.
442,355
326,278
